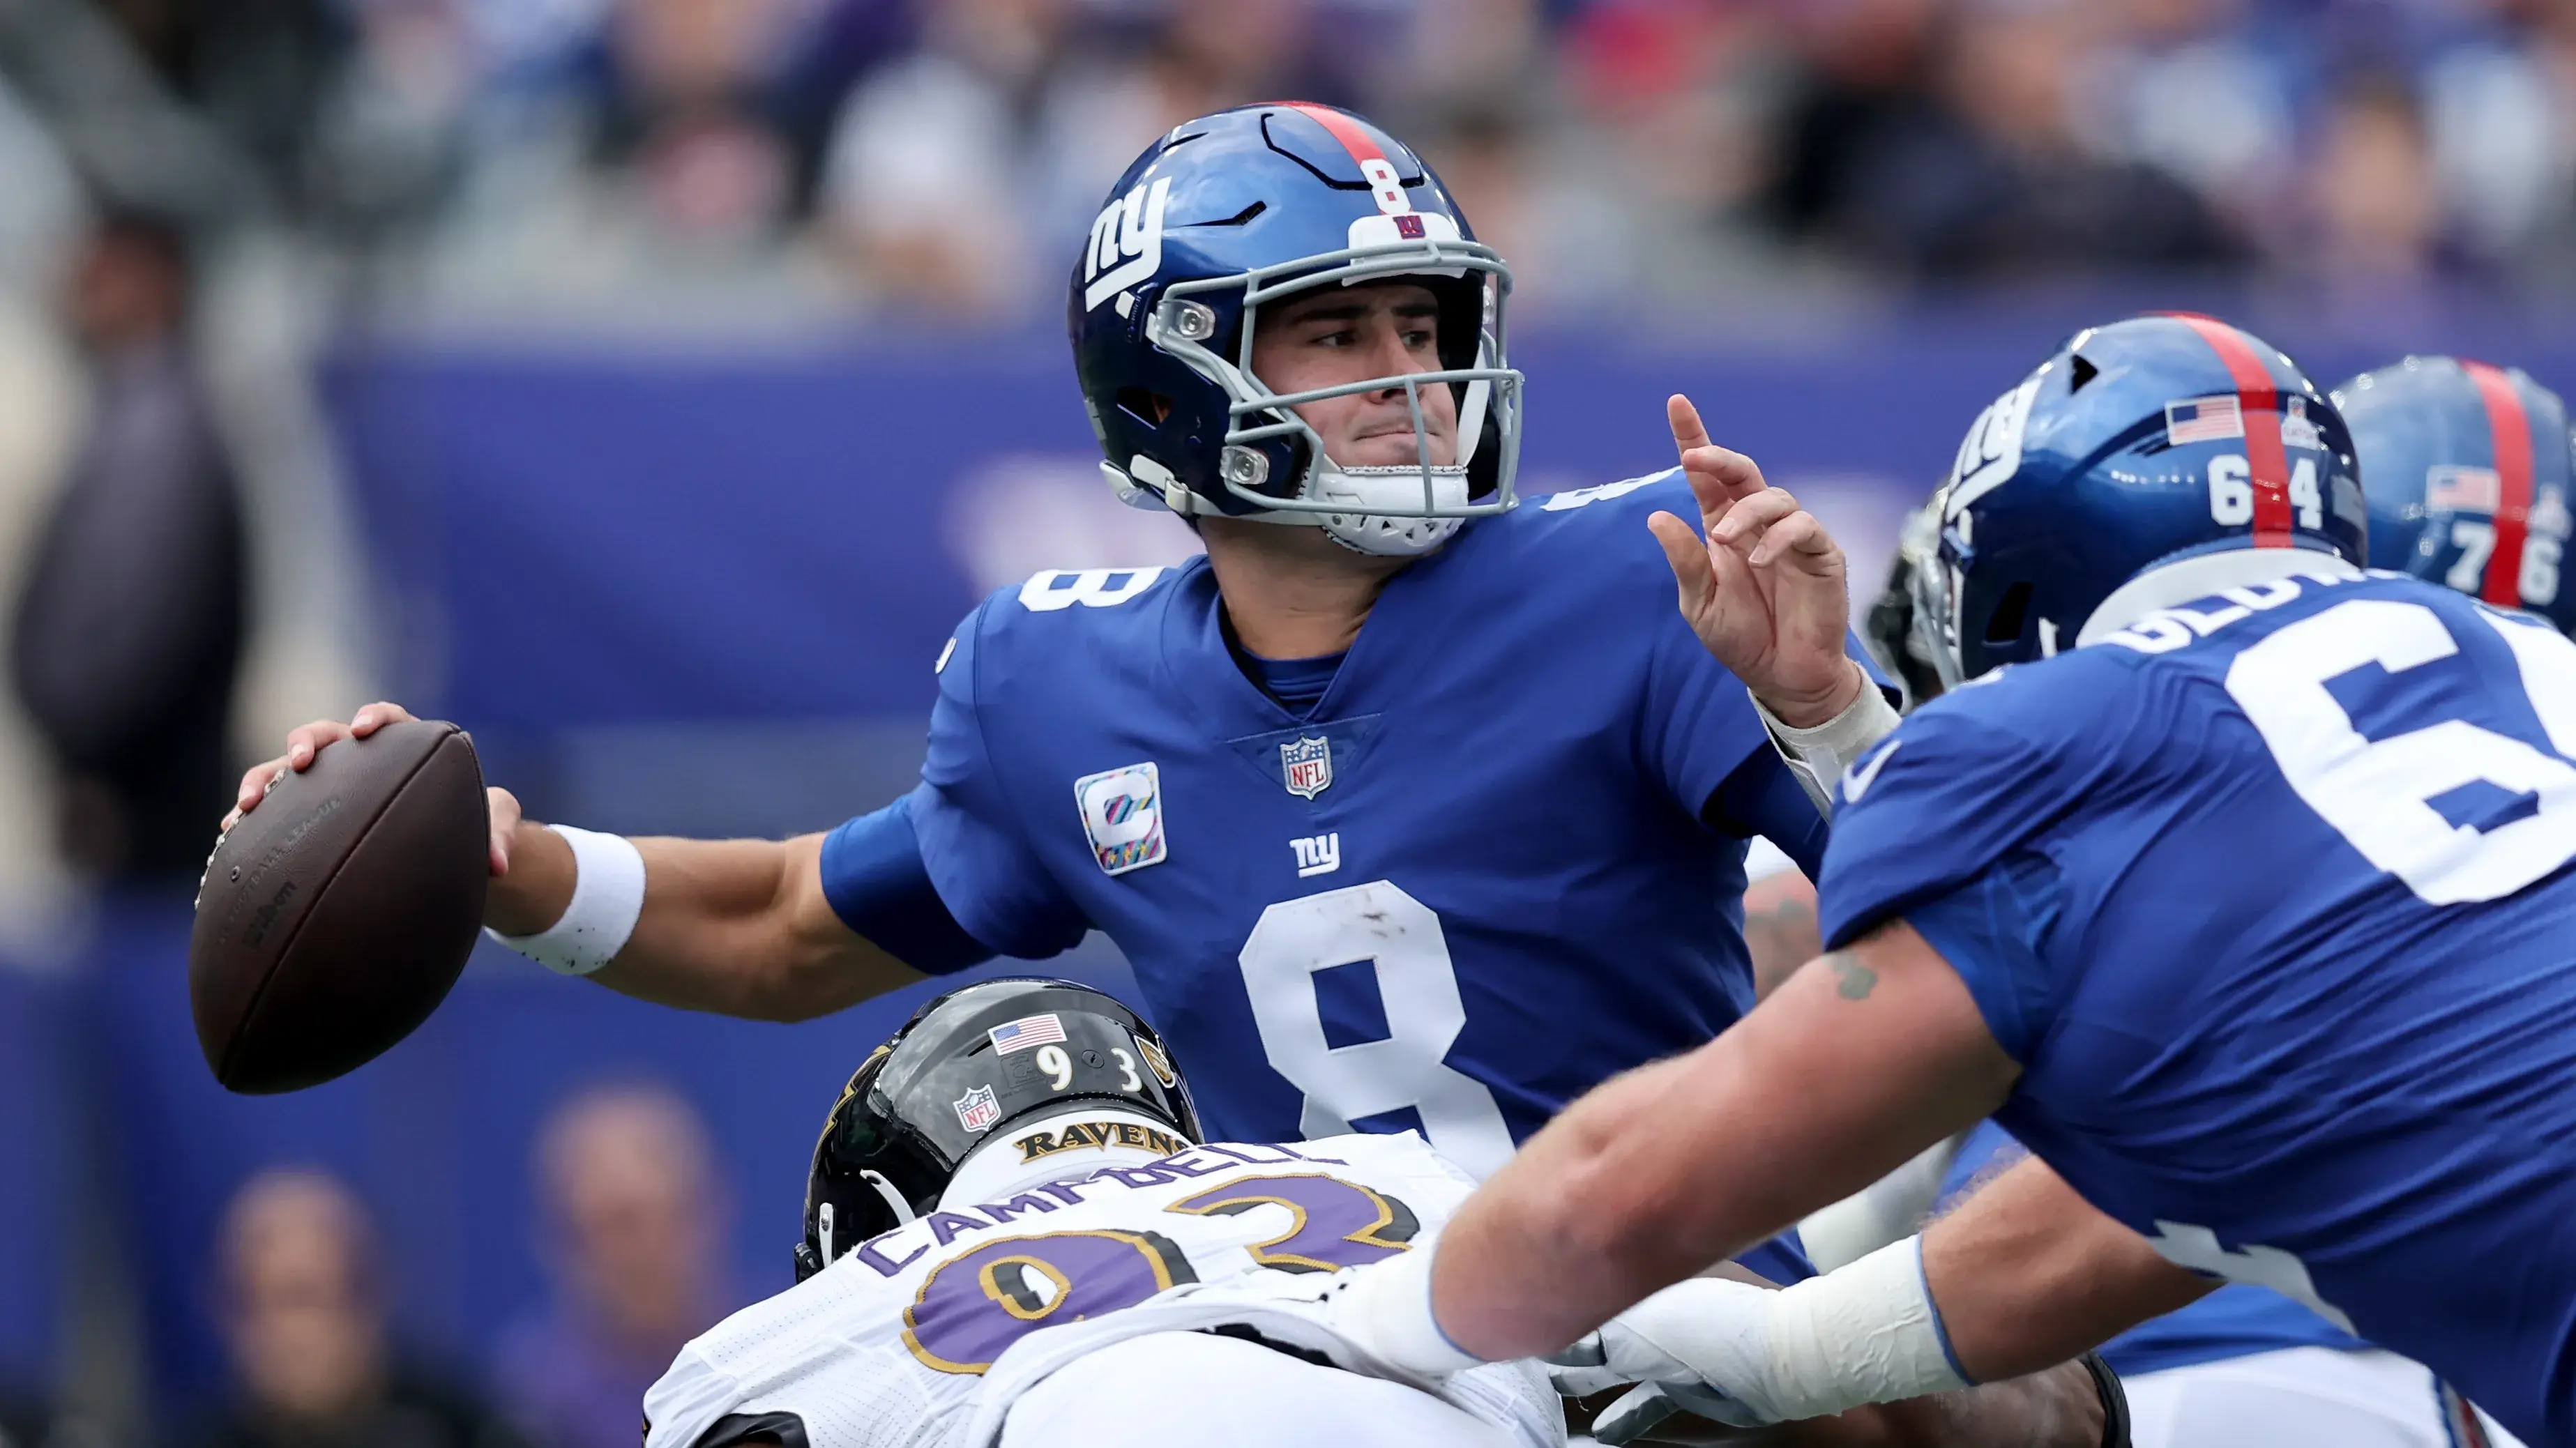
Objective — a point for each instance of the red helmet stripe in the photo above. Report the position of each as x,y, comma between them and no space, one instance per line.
1353,136
2258,400
2510,426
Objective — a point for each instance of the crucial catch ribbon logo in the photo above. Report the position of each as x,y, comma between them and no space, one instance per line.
1122,814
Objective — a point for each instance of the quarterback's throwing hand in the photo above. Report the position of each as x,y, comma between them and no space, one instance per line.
303,743
1765,591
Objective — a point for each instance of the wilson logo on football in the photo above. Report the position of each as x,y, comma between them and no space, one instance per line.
1126,244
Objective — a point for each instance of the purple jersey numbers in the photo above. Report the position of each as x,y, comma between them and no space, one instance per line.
973,1306
1339,1224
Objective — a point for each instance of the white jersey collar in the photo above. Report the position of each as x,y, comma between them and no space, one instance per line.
2198,577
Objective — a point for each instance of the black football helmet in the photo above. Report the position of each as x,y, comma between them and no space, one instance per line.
960,1072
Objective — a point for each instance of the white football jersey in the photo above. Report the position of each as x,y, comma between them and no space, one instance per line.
921,1337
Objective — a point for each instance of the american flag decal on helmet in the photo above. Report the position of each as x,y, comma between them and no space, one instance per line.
2203,419
1025,1032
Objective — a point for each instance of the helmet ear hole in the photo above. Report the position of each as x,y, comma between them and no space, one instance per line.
1149,408
2003,626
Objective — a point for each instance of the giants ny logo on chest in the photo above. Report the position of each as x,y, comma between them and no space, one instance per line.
1122,815
1317,854
1306,766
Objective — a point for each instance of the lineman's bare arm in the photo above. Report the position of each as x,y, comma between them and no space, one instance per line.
737,927
1690,1160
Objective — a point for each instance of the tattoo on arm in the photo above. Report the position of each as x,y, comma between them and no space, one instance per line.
1856,980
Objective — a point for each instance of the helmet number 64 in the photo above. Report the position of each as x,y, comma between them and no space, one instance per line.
2231,491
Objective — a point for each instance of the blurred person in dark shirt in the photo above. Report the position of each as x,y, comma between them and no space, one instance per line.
633,1219
1862,78
303,1316
128,634
1959,156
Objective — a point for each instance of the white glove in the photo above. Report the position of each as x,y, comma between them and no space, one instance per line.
1749,1356
1693,1347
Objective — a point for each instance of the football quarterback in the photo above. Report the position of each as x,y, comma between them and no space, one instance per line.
1410,808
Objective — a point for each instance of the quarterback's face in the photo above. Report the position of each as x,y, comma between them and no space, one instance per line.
1341,335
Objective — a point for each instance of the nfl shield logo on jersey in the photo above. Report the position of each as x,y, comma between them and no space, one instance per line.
1307,766
977,1109
1122,813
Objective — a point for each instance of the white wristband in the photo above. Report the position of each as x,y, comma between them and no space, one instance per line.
607,899
1388,1313
1819,755
1866,1333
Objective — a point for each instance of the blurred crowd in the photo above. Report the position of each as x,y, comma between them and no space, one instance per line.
631,1230
935,158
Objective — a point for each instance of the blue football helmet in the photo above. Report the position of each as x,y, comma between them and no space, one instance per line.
1249,208
2140,446
2467,469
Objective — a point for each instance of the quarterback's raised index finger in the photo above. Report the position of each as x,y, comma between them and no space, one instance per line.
1688,431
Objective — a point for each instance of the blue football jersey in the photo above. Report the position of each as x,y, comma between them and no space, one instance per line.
2268,894
2236,1321
1475,880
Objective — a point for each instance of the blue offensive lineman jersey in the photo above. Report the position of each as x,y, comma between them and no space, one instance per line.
2269,897
1473,882
2236,1321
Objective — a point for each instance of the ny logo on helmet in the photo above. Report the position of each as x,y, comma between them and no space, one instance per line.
1126,243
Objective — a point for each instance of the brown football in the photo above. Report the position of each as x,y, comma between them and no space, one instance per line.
336,916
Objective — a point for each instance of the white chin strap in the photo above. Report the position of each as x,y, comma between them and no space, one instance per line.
1381,534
